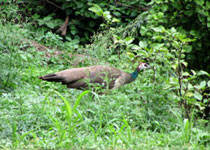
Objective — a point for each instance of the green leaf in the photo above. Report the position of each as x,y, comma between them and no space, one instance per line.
135,47
143,44
158,37
131,55
200,2
193,72
177,5
189,94
208,83
208,4
201,72
35,16
73,31
187,48
188,13
116,13
142,52
157,46
208,24
194,33
190,86
198,95
115,20
185,74
173,30
96,9
159,29
51,25
202,13
205,101
143,30
202,84
208,18
79,4
187,129
48,18
107,15
129,40
68,107
24,57
164,7
77,102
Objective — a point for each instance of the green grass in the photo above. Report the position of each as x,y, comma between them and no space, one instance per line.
40,115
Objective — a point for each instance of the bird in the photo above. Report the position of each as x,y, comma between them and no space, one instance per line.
106,76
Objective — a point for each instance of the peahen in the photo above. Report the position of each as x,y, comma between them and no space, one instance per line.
79,78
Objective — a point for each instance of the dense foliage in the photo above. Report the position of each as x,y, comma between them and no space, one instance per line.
167,107
49,15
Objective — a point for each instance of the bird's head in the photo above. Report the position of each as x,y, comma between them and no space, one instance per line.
142,66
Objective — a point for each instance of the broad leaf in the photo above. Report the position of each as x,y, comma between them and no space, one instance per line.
200,2
143,44
198,95
187,48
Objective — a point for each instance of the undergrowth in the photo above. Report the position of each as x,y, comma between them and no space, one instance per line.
40,115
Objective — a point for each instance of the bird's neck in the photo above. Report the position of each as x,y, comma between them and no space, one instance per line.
134,74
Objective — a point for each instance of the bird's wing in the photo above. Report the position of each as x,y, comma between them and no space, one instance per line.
104,75
121,80
72,75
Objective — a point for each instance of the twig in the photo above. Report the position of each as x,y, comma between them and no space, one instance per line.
180,73
54,4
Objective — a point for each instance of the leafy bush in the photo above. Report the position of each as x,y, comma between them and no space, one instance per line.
48,15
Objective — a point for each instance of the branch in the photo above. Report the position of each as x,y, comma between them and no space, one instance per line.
54,4
63,28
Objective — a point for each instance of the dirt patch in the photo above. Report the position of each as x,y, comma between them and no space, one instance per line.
76,59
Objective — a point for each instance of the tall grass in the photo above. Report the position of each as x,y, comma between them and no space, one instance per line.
72,111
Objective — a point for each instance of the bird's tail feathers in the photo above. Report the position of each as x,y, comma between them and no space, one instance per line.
51,77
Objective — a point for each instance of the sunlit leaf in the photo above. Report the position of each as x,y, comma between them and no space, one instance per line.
115,20
107,15
96,9
131,55
198,95
135,47
143,44
199,2
189,94
158,29
142,52
129,40
201,72
208,83
202,84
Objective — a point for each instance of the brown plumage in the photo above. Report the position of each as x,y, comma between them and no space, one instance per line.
79,78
